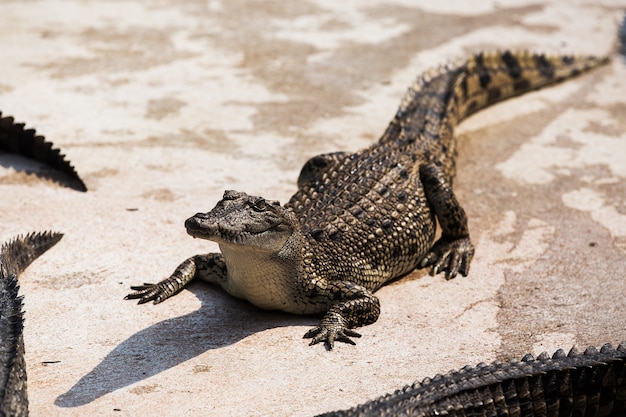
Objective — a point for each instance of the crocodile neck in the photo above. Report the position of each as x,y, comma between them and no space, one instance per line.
265,278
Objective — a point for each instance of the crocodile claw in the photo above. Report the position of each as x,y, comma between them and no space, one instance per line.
146,293
329,336
451,256
331,329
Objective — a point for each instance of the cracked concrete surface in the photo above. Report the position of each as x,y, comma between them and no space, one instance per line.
162,105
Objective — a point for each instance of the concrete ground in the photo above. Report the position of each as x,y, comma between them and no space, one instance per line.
162,105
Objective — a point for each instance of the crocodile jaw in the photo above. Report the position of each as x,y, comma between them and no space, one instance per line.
271,239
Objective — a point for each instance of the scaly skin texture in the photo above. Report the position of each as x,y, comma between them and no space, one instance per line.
360,220
15,256
16,139
592,384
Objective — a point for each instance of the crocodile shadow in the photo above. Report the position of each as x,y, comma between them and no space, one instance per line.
219,322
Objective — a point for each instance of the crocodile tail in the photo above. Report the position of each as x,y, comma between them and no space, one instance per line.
16,139
592,383
491,77
13,394
15,256
439,99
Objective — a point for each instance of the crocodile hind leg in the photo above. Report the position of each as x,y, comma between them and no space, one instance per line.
454,251
356,307
210,267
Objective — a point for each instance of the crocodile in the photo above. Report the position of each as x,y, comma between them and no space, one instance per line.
360,220
15,138
15,256
591,384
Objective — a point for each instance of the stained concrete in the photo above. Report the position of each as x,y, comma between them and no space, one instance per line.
162,105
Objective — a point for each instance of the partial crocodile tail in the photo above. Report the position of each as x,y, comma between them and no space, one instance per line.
16,139
13,393
591,384
438,100
490,77
454,91
15,256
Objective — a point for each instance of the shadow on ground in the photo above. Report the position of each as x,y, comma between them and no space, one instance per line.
27,170
219,322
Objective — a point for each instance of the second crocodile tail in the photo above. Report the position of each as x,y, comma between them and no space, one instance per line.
16,139
16,255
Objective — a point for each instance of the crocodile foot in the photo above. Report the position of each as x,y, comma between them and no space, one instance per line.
332,328
149,292
450,255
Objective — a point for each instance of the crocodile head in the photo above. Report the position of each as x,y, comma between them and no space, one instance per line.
243,220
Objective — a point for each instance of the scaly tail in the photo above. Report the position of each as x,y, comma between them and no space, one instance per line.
15,256
14,138
438,100
13,396
491,77
592,383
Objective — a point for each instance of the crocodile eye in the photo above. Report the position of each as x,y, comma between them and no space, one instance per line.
260,205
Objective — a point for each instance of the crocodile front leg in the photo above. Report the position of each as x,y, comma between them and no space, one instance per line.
210,267
356,307
454,251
